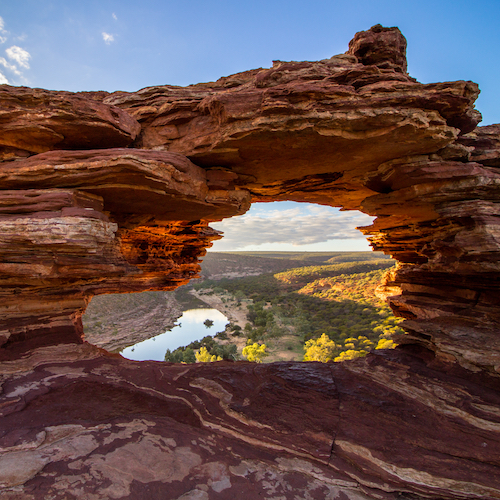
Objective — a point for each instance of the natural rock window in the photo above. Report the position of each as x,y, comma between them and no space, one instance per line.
105,193
281,299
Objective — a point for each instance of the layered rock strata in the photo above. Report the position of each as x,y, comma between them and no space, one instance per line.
80,223
108,193
80,423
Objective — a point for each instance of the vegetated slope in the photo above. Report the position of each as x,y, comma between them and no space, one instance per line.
357,295
304,275
218,265
360,287
287,309
288,304
357,257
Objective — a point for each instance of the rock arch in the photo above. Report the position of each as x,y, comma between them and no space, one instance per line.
105,193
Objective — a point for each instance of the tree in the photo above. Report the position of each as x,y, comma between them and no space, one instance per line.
208,323
175,356
322,349
203,356
225,351
365,343
189,356
255,352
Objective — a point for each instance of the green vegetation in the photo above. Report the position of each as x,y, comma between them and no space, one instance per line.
385,343
322,349
331,310
325,310
304,275
190,353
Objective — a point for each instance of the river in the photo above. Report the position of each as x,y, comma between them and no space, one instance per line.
190,327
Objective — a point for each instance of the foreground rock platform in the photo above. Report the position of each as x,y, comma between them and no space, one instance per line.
114,193
80,423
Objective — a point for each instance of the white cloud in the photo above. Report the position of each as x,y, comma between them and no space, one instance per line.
107,38
11,67
301,225
114,16
3,32
19,55
17,60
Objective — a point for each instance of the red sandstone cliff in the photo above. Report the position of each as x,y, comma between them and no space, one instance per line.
107,193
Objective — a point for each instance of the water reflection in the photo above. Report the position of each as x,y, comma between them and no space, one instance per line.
192,325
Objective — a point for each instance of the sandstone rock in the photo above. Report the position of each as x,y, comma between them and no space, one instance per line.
132,181
100,222
485,145
269,121
383,47
99,426
247,129
451,247
37,120
354,131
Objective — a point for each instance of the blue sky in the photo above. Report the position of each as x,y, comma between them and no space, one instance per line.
127,45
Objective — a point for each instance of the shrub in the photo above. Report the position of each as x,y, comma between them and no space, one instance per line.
322,349
255,352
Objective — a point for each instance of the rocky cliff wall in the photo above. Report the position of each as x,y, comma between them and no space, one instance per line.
107,193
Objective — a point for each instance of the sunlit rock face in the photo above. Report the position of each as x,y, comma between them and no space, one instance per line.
109,193
37,120
80,223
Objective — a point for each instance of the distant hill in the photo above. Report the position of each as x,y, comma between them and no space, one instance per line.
312,256
219,265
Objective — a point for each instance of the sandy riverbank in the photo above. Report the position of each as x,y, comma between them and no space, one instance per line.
226,304
286,348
